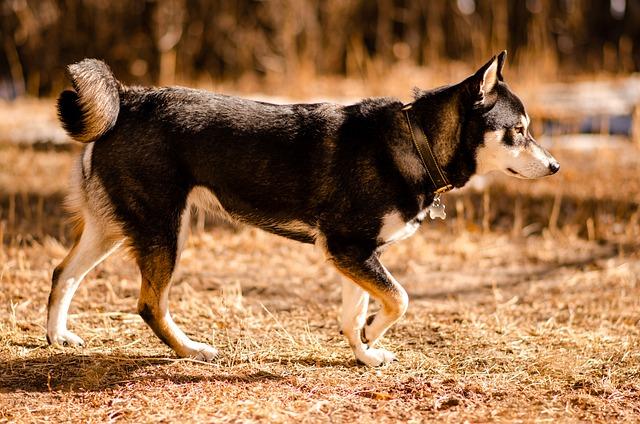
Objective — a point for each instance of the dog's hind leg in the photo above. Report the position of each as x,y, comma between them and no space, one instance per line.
369,276
91,248
157,264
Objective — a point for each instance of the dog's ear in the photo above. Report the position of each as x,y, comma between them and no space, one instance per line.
502,57
488,78
483,82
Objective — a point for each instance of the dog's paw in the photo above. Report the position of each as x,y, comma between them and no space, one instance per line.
200,352
375,357
65,338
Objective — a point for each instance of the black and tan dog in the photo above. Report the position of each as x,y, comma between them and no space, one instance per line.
350,179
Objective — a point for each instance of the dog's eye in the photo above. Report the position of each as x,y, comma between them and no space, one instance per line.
520,129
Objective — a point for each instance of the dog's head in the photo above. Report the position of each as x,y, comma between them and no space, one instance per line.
498,126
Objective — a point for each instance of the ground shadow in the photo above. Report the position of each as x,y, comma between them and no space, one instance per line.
97,372
310,361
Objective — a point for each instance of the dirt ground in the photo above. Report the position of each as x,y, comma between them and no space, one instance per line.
524,307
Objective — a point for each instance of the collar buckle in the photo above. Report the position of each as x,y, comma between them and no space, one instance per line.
444,189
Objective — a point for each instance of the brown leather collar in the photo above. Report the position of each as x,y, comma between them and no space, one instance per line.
439,181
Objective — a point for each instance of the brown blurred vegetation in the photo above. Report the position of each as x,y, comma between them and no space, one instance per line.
164,41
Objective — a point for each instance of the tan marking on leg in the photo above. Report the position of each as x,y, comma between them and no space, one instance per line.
154,309
393,301
393,308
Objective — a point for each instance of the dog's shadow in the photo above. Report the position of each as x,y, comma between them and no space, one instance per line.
94,372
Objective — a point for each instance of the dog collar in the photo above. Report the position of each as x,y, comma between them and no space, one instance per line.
421,143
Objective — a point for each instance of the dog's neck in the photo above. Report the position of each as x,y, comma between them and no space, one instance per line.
436,177
441,116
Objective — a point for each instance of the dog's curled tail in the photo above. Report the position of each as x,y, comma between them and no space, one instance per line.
92,109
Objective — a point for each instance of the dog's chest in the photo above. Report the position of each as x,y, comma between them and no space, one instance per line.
395,228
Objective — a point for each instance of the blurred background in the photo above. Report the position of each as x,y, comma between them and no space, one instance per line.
575,64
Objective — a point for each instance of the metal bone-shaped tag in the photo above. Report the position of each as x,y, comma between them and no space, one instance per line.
436,210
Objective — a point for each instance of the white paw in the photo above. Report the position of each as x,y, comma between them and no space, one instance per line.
64,338
375,357
200,352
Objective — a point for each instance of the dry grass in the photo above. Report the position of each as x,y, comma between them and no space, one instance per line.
512,317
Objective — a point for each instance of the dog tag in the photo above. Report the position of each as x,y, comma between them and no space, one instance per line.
436,210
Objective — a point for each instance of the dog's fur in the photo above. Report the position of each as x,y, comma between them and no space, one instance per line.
347,178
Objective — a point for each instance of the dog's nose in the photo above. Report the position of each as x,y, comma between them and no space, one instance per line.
554,167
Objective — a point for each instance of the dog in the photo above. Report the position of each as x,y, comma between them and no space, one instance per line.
350,179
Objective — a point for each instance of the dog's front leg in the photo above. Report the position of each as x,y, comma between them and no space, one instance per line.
355,302
370,278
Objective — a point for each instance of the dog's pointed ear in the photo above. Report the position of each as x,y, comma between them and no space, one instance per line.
502,57
483,82
488,77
